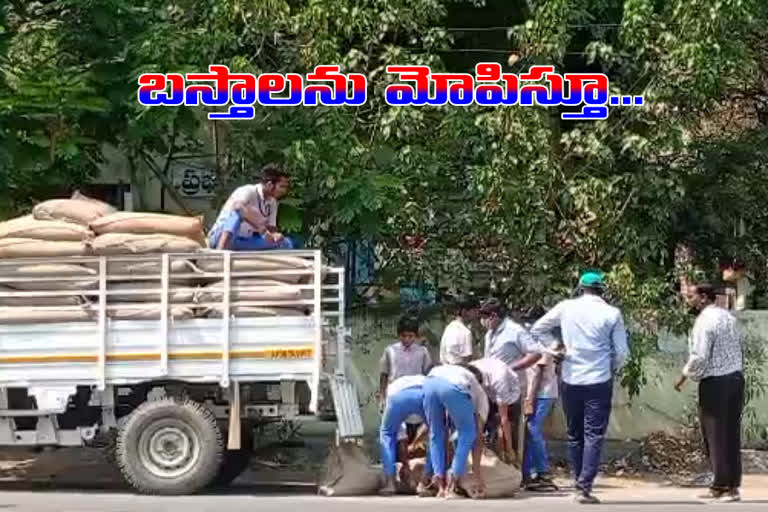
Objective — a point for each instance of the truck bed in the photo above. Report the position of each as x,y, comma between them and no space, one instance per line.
279,348
105,351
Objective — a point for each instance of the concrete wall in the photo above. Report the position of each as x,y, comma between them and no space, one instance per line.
658,407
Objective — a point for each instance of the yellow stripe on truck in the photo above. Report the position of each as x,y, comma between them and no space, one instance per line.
302,352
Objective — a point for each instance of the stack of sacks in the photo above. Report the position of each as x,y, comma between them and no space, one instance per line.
148,233
273,288
145,233
252,290
146,306
56,228
82,226
17,309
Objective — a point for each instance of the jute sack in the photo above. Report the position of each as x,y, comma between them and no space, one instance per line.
250,311
30,248
23,315
263,290
149,269
501,480
36,301
53,271
52,230
347,472
264,262
150,223
80,209
138,311
176,294
126,243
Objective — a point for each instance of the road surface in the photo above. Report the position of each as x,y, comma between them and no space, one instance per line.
251,499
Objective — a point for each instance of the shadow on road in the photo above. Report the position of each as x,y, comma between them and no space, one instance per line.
118,488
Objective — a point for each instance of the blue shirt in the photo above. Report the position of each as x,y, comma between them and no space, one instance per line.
509,342
594,337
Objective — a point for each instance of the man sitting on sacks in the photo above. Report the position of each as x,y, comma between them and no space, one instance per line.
248,220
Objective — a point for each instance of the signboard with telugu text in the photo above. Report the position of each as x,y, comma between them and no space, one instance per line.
196,182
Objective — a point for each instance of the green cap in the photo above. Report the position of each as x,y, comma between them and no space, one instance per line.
592,279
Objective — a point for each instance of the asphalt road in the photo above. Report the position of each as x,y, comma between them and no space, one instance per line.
246,499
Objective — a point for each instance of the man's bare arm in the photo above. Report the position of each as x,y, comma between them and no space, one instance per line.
383,382
526,361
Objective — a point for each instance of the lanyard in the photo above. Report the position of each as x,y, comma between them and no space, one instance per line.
264,208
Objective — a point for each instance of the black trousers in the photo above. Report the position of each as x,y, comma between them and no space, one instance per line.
721,402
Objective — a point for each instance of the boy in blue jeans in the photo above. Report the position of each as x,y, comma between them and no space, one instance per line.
542,394
405,399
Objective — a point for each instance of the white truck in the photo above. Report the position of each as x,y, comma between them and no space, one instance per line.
174,394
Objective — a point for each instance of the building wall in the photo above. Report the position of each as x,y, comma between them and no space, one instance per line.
658,407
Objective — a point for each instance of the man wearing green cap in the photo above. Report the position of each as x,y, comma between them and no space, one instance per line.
595,350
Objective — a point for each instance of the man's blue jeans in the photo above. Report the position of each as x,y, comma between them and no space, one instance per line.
231,224
587,410
536,456
407,402
441,396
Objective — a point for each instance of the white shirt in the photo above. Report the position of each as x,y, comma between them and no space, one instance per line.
409,381
253,196
456,343
509,343
716,345
499,380
463,379
548,385
398,360
594,337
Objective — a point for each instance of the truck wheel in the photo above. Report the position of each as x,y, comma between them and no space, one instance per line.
169,447
235,461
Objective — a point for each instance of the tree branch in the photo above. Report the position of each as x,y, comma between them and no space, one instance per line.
166,183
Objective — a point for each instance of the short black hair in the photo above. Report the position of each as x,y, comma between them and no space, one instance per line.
408,323
708,290
475,371
493,305
465,303
274,172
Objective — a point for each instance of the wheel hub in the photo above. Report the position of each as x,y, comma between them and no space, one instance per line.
169,451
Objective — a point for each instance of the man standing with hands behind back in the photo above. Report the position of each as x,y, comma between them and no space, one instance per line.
716,363
595,350
248,220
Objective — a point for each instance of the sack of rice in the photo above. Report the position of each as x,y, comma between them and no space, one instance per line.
21,302
149,269
176,294
501,480
79,210
147,312
45,270
126,243
22,315
30,248
54,272
53,230
263,263
348,472
259,290
250,312
150,223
